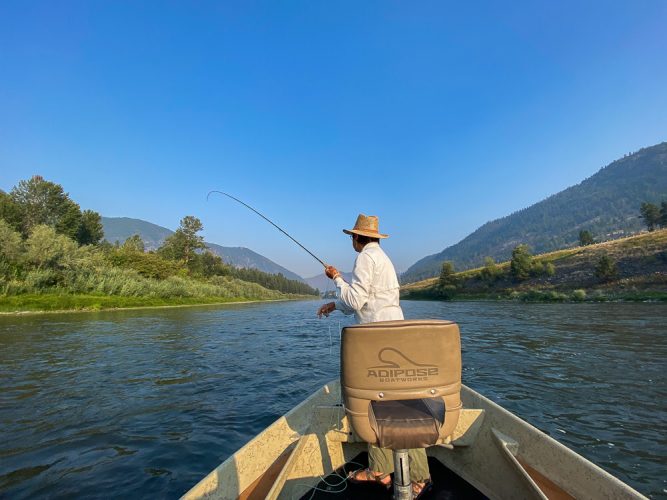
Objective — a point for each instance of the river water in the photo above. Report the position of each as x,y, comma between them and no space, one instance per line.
145,403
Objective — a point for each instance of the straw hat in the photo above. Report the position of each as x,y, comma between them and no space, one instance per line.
366,225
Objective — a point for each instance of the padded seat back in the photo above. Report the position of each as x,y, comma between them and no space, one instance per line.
387,367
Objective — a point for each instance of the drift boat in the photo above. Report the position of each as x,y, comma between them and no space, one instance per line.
392,373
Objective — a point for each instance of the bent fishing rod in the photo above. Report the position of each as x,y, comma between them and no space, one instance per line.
270,222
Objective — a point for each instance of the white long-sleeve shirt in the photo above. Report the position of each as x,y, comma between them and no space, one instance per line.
374,292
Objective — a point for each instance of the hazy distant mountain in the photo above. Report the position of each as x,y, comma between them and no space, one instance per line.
606,204
121,228
322,283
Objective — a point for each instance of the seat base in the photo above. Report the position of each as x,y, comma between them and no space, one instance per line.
402,484
446,484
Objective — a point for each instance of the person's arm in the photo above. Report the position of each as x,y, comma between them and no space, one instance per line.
330,307
354,297
342,307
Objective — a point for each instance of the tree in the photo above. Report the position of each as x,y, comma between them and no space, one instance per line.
447,274
606,269
10,212
38,201
183,244
521,263
447,282
663,214
90,231
651,215
585,238
211,264
134,244
43,202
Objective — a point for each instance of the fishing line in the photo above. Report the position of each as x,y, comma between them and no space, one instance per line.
343,480
270,222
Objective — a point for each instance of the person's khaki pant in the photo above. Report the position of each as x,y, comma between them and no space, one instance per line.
382,460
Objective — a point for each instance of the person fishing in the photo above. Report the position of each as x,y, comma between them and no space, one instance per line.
373,296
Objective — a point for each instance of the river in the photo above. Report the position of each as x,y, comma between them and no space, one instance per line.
146,402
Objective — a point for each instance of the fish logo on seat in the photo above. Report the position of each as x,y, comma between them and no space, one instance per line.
397,367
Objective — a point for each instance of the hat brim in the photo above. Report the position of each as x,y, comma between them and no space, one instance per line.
370,234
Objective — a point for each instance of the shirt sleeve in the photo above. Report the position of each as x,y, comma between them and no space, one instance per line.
341,306
356,295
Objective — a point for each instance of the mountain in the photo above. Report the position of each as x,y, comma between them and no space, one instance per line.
121,228
606,204
322,283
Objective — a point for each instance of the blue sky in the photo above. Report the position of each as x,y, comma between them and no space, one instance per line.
435,116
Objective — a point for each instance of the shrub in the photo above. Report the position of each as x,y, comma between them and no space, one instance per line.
521,263
11,250
11,246
579,295
542,268
606,269
149,265
47,249
491,272
40,280
549,269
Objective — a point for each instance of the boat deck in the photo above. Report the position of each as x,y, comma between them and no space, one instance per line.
446,484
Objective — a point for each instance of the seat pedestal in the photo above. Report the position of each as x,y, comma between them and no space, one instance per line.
402,484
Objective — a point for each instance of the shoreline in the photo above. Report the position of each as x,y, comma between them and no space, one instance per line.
655,297
142,308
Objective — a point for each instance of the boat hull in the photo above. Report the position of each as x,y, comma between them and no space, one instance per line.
499,454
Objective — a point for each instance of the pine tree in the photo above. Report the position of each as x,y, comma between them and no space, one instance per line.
663,214
651,215
585,238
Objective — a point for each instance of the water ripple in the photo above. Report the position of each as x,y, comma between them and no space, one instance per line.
144,403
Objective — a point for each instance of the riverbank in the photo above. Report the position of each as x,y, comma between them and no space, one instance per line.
630,269
69,303
544,296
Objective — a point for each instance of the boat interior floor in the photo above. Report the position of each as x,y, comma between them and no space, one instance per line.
446,484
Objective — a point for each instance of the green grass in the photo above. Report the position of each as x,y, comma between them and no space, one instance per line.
80,302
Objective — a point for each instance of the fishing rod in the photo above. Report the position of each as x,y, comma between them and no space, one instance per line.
270,222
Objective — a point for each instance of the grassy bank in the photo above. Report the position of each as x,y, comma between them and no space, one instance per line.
60,302
639,274
547,296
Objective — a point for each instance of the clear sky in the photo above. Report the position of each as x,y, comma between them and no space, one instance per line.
435,116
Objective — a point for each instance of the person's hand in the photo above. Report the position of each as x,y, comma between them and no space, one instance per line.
326,309
331,272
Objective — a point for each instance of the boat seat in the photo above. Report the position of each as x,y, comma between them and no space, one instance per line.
401,381
401,386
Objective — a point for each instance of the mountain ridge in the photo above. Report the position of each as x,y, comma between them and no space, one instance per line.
323,284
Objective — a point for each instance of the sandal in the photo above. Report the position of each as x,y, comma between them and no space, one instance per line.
421,489
360,476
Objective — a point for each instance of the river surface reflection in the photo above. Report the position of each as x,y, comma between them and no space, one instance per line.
145,403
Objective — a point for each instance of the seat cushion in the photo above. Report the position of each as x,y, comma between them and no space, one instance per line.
406,424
